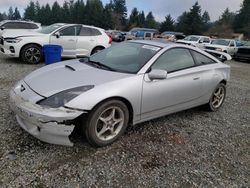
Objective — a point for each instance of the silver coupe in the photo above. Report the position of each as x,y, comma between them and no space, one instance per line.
123,85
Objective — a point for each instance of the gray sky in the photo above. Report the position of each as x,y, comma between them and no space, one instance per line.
160,8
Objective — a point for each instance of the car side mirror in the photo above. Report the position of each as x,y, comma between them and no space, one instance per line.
157,74
200,41
57,34
2,28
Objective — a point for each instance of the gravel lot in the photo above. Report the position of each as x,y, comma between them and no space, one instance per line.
192,148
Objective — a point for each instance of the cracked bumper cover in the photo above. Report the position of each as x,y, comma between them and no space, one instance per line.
46,124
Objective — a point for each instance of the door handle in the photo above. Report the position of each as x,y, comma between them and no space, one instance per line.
71,40
197,78
92,40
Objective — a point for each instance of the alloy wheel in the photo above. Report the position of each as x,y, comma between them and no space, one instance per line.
33,55
109,123
218,97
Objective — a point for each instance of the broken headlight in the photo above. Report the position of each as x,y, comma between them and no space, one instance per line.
63,97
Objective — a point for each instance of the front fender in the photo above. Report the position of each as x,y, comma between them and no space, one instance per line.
127,88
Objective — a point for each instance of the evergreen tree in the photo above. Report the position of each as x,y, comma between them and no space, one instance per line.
66,14
119,13
56,15
227,17
1,17
94,13
242,20
30,11
107,17
37,11
78,12
191,22
142,19
10,14
134,19
16,15
168,24
206,21
150,21
182,22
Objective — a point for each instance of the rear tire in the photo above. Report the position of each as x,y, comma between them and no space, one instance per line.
96,50
106,123
217,98
31,54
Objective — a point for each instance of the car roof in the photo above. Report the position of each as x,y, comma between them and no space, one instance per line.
158,43
22,21
90,26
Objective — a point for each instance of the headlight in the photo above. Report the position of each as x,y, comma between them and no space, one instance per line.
60,99
219,49
14,40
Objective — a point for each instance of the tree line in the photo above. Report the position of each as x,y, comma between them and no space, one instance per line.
113,15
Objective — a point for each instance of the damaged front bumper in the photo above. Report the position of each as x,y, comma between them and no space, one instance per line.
46,124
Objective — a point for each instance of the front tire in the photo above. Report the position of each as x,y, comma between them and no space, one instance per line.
217,98
106,123
31,54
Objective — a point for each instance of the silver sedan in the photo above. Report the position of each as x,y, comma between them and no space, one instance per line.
123,85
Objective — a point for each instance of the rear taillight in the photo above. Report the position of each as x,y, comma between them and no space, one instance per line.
110,38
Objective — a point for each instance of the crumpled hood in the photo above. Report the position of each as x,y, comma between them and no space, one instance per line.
58,77
186,41
217,46
20,33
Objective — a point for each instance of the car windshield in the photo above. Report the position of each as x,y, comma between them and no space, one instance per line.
126,57
247,43
192,38
50,29
221,42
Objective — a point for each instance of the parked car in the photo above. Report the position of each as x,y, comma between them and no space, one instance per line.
77,40
144,35
117,36
19,25
195,40
130,36
172,36
243,52
128,83
223,45
136,29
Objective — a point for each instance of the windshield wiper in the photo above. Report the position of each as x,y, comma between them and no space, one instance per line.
96,64
99,65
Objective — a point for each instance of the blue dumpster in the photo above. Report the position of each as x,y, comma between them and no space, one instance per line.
52,53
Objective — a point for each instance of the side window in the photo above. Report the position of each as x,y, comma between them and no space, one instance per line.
95,32
174,60
206,40
231,43
10,25
201,59
69,31
32,26
85,31
23,25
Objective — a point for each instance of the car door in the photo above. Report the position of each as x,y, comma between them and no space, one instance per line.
232,48
86,41
181,88
67,38
202,42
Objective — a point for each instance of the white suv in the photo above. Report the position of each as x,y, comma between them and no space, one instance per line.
223,45
7,25
76,41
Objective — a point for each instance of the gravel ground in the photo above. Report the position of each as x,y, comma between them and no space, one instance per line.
192,148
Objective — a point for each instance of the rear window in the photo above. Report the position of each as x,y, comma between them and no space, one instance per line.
201,59
86,31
